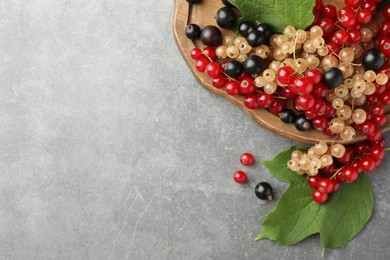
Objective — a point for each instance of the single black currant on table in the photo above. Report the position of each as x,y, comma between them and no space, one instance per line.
373,59
244,28
263,191
193,31
302,123
253,65
332,78
287,116
227,3
255,38
211,36
266,29
233,68
226,17
194,1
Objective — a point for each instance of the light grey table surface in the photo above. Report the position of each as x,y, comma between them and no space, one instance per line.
110,149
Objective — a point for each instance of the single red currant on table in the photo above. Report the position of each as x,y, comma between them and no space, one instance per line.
247,159
240,177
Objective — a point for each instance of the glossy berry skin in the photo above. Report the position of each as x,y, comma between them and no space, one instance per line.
193,31
277,106
211,36
263,191
244,28
352,3
386,12
233,68
340,37
210,52
214,70
329,11
287,116
364,16
377,152
266,29
355,36
304,102
302,123
302,85
201,64
319,196
265,100
232,88
314,180
350,174
332,78
255,38
253,65
240,177
286,75
314,75
327,26
220,82
250,101
226,17
326,185
196,53
247,159
247,86
367,163
373,59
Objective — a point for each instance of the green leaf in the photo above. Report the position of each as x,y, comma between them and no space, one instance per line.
278,13
296,216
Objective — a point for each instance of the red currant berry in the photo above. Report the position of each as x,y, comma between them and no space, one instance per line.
368,127
386,12
277,106
250,101
350,174
336,186
380,120
314,75
328,132
304,102
381,142
352,3
367,163
384,45
333,47
319,196
347,156
319,107
196,53
384,28
220,82
314,180
247,159
377,152
302,85
357,166
373,99
329,11
327,26
376,135
340,37
361,148
247,86
320,123
286,75
240,177
370,5
329,170
287,93
214,70
326,185
384,98
364,16
319,90
355,36
210,52
232,88
201,64
347,17
265,100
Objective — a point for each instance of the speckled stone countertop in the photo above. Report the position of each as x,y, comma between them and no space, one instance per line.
110,149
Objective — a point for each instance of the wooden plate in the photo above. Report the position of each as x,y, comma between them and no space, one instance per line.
203,14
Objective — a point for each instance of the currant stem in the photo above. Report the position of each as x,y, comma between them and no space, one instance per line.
337,172
387,149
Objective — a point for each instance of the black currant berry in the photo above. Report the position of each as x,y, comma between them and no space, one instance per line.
211,36
332,78
244,28
226,17
227,3
233,68
255,38
287,116
373,59
194,1
263,191
266,29
193,31
302,123
253,65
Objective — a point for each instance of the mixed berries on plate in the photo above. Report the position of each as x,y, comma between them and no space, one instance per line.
332,77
